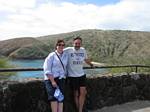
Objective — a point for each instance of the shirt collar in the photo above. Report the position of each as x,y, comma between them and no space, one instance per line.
58,53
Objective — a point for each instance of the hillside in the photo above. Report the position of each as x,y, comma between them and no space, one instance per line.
113,46
110,46
23,48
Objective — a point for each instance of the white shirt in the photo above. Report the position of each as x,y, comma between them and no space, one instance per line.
53,66
75,61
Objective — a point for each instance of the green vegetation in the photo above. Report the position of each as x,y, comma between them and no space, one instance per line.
127,61
4,64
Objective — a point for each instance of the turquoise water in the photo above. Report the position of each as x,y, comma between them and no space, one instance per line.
27,64
39,74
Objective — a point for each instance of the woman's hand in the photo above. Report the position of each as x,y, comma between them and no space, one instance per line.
54,84
51,78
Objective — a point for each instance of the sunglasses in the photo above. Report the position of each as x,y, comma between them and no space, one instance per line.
61,45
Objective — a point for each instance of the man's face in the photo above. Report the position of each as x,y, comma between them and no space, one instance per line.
77,44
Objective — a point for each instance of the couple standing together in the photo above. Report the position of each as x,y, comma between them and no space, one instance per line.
57,64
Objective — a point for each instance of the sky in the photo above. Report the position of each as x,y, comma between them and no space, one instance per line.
33,18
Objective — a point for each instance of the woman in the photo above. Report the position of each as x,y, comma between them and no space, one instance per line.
54,73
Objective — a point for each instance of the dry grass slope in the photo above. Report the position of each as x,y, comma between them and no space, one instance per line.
106,46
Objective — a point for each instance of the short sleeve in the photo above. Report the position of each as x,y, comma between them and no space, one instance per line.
85,54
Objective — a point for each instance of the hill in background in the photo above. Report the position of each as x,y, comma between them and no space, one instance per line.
110,46
23,48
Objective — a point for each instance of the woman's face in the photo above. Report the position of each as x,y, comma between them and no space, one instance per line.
60,46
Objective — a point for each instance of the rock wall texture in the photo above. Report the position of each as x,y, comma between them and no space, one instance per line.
30,96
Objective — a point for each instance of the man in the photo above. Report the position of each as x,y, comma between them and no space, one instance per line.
76,76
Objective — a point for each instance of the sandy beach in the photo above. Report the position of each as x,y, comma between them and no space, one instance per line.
136,106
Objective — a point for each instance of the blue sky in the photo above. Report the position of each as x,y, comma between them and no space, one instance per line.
96,2
32,18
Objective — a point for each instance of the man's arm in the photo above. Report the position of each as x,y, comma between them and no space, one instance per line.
88,61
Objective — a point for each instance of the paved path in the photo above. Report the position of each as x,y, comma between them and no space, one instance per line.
136,106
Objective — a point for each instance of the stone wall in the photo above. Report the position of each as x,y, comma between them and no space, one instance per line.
30,95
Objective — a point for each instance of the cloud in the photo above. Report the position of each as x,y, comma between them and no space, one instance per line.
23,18
15,5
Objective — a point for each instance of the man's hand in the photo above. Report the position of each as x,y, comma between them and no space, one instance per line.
92,66
88,61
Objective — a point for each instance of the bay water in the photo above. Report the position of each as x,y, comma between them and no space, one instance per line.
39,74
27,64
